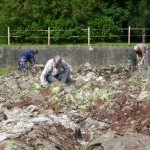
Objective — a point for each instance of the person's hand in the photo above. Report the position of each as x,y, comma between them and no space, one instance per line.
141,62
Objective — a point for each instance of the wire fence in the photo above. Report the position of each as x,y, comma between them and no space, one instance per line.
89,36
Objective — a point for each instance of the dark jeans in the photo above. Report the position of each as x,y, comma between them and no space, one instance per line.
21,63
62,76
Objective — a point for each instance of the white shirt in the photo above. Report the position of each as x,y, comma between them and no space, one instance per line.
51,69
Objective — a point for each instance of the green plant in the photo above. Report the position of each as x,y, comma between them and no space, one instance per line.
104,94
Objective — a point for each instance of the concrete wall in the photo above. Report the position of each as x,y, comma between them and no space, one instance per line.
75,55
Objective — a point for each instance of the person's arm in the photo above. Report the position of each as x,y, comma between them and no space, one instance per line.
45,72
142,59
138,58
144,50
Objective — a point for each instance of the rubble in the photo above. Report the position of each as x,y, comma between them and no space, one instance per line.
100,108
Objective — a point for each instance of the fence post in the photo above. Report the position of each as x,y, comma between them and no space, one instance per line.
48,36
8,36
143,36
129,35
88,36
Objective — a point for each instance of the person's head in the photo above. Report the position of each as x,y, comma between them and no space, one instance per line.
57,61
35,51
135,48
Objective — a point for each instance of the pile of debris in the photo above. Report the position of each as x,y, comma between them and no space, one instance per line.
100,108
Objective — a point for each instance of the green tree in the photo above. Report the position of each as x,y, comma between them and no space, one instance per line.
71,17
140,17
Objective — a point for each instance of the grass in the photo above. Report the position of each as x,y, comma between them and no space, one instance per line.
113,44
6,70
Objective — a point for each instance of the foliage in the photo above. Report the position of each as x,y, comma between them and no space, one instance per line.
142,17
104,95
70,18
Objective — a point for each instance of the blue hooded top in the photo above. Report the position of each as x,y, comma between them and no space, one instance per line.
28,56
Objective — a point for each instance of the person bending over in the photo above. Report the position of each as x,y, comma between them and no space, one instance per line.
141,51
26,56
56,69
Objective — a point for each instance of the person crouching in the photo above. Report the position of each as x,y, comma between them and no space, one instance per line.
56,69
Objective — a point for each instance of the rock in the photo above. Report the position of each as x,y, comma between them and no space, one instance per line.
120,143
144,95
3,136
101,79
40,119
105,103
2,115
2,99
79,82
25,85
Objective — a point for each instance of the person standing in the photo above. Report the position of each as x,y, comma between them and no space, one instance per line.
141,51
56,69
26,56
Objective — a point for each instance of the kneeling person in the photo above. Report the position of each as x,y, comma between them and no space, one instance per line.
55,69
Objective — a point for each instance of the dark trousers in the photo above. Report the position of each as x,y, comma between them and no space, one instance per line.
62,76
21,63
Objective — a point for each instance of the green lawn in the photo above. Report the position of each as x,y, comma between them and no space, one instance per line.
4,71
113,44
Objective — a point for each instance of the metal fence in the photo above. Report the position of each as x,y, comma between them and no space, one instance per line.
47,36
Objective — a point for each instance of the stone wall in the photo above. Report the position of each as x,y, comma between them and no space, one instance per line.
75,55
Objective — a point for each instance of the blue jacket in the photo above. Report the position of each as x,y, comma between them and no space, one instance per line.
28,56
